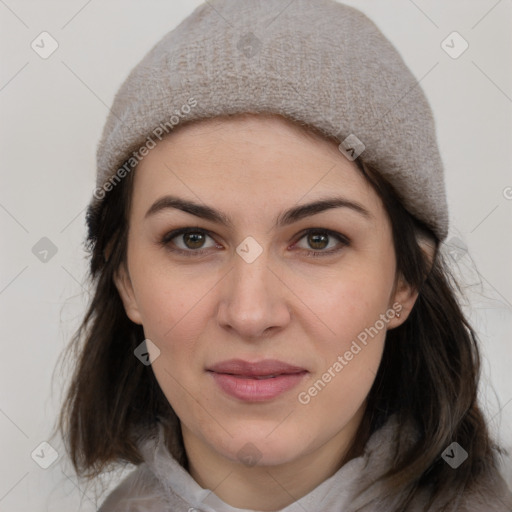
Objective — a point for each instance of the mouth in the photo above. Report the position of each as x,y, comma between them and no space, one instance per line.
256,382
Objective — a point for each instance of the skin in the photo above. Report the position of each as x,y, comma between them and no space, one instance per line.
284,305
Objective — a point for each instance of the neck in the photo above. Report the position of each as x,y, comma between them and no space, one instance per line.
268,488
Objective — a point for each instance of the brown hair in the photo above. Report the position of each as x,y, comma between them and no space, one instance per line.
113,400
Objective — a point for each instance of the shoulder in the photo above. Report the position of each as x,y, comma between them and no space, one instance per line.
490,494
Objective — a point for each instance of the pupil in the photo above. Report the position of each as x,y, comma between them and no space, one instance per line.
315,239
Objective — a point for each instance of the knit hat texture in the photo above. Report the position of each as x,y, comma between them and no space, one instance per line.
313,61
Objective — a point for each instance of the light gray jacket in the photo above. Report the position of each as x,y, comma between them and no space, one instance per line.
161,484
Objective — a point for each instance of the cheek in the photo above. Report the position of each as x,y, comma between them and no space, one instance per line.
174,310
174,303
350,302
353,308
349,356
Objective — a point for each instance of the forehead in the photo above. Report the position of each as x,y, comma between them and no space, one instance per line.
249,159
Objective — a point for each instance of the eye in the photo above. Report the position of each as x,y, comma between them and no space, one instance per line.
319,240
189,241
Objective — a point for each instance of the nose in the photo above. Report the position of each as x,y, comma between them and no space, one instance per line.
253,300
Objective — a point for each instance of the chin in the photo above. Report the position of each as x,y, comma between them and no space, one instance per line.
260,450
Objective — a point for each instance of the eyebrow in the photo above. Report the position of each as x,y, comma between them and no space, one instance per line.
285,218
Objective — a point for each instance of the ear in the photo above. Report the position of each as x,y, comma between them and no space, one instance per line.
124,287
405,295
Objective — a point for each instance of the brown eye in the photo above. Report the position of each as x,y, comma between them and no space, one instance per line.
193,239
321,242
318,241
188,240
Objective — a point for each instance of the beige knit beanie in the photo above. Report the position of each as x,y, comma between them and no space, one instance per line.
313,61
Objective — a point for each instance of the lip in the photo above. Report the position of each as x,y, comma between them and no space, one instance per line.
256,381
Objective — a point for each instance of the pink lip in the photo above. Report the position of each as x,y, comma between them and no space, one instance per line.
245,381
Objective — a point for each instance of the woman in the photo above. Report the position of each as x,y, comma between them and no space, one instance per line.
273,327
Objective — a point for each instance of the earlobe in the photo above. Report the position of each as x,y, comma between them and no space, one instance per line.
124,287
403,301
405,294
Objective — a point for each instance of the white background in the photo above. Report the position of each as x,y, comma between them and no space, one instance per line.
52,112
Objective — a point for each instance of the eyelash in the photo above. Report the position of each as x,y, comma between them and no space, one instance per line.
200,252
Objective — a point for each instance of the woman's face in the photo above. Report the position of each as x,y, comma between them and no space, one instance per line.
269,313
